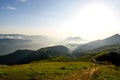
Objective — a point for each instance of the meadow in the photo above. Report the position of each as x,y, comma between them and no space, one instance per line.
42,70
48,70
107,72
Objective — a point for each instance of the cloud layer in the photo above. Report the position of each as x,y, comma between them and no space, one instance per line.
22,0
11,8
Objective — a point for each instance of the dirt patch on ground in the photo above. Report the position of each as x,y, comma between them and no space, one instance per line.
83,74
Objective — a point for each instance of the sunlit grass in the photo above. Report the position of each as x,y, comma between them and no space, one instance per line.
107,72
42,70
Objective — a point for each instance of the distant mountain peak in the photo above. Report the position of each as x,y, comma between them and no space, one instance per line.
115,36
73,38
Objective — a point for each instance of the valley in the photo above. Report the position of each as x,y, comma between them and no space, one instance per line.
59,40
99,62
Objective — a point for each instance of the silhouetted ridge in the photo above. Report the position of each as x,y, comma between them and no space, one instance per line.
26,56
112,57
15,57
48,52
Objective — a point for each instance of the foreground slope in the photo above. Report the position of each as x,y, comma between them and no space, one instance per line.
46,70
107,72
43,71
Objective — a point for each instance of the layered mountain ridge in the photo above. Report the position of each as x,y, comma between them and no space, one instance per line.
109,44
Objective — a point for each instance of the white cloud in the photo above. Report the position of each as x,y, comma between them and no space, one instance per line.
11,8
22,0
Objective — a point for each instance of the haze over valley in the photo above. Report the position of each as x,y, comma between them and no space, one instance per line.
59,40
28,48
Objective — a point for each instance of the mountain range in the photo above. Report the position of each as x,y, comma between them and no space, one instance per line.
115,39
12,42
74,40
110,44
25,56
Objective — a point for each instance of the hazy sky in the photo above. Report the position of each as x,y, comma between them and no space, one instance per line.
89,19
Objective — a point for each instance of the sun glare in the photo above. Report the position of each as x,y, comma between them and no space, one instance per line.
94,18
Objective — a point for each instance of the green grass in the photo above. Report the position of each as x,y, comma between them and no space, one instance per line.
107,72
41,70
47,70
100,54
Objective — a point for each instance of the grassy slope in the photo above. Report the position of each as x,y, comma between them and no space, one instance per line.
107,72
58,71
42,70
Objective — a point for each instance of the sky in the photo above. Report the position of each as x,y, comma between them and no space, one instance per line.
88,19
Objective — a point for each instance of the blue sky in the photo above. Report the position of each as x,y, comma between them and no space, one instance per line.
59,17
